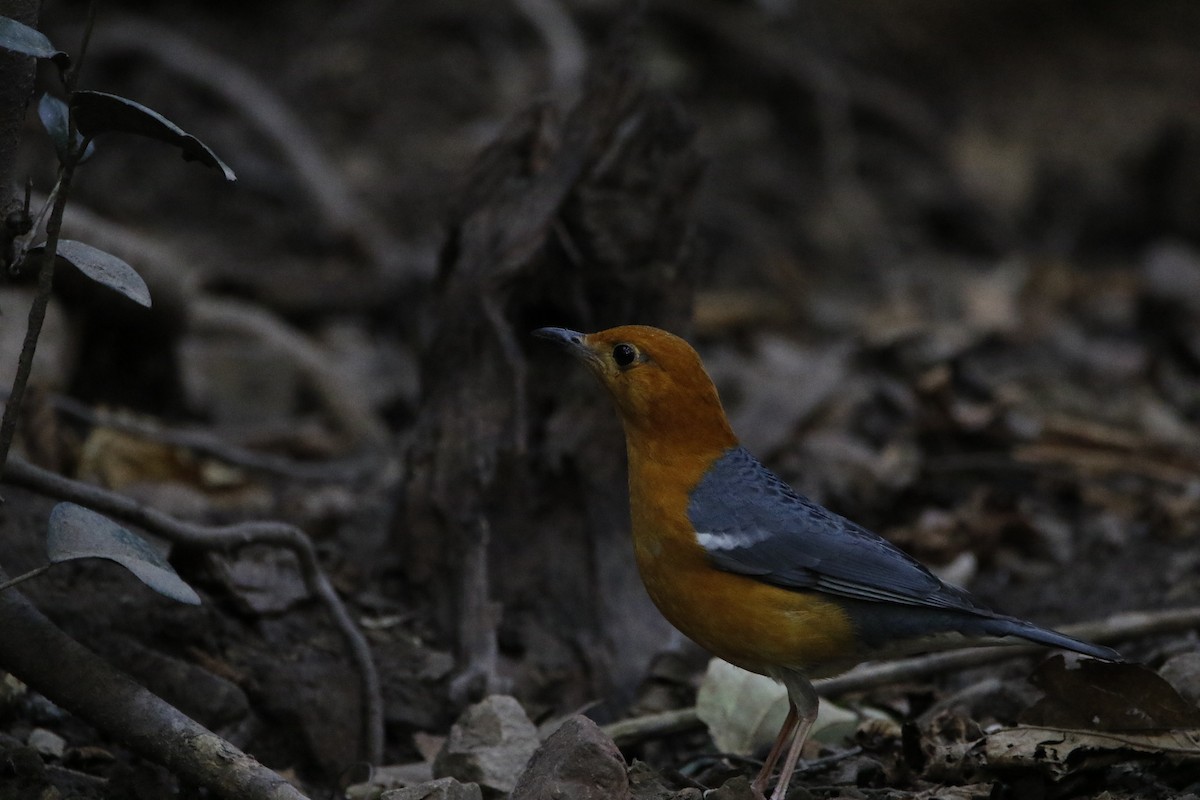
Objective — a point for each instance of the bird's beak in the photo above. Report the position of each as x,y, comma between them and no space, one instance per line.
573,342
568,339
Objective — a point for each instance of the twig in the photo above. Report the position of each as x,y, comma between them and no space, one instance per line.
270,116
163,267
33,573
652,726
735,31
74,152
346,407
347,470
565,49
74,678
37,311
1119,627
167,272
277,534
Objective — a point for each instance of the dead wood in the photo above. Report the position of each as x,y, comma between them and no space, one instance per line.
595,207
226,537
86,685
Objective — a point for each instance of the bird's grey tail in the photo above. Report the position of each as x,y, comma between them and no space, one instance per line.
1010,626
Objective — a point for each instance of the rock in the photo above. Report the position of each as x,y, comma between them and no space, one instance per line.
388,777
47,743
440,789
737,788
646,784
490,744
1171,271
578,761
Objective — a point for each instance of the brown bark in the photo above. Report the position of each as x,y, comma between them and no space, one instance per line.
585,223
65,671
16,87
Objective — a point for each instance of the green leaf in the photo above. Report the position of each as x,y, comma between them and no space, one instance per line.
99,112
56,119
20,38
76,532
104,268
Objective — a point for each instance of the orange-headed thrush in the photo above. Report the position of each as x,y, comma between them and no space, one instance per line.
749,569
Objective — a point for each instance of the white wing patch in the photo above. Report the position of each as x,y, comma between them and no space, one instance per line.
731,541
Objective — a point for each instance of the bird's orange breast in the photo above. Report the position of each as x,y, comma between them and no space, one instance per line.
755,625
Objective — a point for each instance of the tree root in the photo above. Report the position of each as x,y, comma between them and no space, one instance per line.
226,537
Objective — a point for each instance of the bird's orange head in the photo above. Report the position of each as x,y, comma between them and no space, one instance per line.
665,398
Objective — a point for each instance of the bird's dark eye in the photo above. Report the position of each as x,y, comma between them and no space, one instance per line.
624,354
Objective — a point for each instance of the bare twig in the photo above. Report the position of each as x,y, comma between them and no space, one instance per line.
33,573
565,49
277,534
37,311
1119,627
264,110
168,273
652,726
206,444
163,267
74,678
346,407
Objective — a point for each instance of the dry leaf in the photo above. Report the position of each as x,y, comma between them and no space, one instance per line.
744,711
1061,752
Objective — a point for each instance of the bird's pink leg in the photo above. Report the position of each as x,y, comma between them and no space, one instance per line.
804,704
759,784
793,756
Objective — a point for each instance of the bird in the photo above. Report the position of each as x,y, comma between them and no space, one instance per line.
748,568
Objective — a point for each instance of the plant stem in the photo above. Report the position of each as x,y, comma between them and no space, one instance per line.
37,311
33,573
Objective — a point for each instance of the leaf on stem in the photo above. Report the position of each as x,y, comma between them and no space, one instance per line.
56,120
100,112
104,268
20,38
76,532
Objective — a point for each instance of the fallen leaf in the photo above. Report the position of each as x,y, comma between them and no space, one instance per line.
744,711
1098,695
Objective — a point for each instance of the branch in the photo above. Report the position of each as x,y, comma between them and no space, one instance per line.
172,276
231,537
263,108
1119,627
76,679
346,406
566,52
37,311
204,443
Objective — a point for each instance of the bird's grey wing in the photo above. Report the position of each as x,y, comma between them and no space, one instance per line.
751,522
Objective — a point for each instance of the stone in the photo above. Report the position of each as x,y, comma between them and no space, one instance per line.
490,745
440,789
577,761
